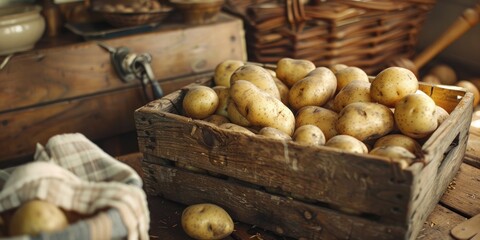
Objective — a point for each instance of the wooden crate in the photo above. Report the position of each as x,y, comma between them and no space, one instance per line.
74,88
298,191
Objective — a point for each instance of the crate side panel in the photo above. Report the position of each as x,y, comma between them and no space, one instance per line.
282,215
316,173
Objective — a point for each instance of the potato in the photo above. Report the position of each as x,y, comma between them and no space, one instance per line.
323,118
348,74
337,67
430,78
470,87
206,221
224,71
329,80
355,91
308,91
289,70
444,73
274,133
257,75
217,119
282,89
235,116
309,135
200,102
441,114
260,108
415,115
35,217
392,84
399,140
395,154
347,143
365,120
223,99
237,128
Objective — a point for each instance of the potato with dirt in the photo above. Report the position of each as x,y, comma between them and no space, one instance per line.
365,120
257,75
415,115
314,90
260,108
347,143
392,84
323,118
291,70
355,91
224,71
348,74
206,221
309,135
200,102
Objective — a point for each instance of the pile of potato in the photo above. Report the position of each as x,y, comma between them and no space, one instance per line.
339,106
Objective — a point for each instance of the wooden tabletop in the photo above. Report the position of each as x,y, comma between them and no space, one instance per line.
460,202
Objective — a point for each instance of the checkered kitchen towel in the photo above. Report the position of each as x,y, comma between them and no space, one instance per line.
75,174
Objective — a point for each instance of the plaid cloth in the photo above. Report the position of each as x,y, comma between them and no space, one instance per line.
75,174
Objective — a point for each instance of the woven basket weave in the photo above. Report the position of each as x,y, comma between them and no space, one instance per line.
367,34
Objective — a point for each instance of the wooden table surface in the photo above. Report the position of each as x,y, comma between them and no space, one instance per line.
460,202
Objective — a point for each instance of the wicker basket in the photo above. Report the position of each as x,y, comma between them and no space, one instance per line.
367,34
135,19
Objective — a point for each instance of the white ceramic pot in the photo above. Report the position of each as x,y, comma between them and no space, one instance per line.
21,26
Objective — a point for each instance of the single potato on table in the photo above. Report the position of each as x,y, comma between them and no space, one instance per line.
392,84
291,70
206,221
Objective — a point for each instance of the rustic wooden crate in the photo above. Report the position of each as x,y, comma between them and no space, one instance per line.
299,191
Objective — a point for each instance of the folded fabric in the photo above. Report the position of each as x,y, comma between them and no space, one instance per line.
76,175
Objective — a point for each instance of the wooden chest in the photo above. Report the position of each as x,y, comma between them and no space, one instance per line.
298,191
73,87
